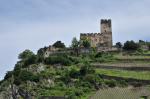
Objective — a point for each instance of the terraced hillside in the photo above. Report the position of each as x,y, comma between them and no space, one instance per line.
123,93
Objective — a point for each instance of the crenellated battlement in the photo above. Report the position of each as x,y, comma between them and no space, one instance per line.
90,34
105,21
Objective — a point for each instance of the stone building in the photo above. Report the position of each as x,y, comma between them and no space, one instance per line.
50,50
102,40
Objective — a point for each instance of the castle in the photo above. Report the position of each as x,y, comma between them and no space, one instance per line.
101,40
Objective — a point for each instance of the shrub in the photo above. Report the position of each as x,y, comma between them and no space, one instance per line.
122,83
86,69
84,84
73,73
104,57
8,75
30,60
25,54
17,81
63,60
130,46
74,93
18,66
46,74
75,60
70,94
79,92
27,57
26,75
90,78
99,54
111,83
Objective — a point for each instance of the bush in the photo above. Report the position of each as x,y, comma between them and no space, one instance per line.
17,81
26,75
25,54
79,92
30,60
27,57
122,83
74,93
111,83
74,60
90,78
99,54
104,57
84,84
70,95
8,75
17,66
130,46
73,73
46,74
63,60
86,69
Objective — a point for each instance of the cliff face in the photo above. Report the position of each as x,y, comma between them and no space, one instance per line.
9,89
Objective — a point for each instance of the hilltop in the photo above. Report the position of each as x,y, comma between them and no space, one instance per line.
74,74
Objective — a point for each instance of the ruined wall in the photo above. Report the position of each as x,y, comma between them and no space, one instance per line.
96,39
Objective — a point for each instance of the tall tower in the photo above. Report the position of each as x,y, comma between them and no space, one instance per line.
106,30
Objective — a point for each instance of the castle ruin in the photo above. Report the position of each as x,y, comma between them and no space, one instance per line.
102,39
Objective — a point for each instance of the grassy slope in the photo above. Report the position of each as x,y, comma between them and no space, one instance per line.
142,75
119,56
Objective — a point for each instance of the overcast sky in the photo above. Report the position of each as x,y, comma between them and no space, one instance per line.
32,24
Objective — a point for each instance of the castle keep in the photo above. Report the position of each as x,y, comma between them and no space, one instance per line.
102,39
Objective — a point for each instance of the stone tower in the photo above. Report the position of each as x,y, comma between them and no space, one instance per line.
106,30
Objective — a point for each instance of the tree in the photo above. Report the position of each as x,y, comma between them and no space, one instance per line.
86,43
75,45
25,54
130,46
8,75
119,45
59,44
27,57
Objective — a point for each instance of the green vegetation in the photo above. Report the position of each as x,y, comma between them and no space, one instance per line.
130,46
71,74
86,43
143,75
71,80
75,45
63,60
